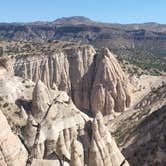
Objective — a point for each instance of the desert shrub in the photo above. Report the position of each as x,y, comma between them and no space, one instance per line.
1,98
5,105
27,86
1,51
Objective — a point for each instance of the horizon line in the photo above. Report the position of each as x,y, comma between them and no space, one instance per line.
97,21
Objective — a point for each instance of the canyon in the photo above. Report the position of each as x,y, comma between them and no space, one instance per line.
67,103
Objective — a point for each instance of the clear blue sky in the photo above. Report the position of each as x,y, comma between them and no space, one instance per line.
119,11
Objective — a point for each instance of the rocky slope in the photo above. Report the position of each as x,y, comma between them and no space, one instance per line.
94,80
12,151
50,130
66,133
141,132
54,131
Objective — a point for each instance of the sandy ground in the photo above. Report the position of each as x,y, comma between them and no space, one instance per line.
143,85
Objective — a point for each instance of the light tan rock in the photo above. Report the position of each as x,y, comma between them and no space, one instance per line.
103,149
41,100
12,151
65,133
29,131
41,162
109,84
77,154
95,81
6,63
59,125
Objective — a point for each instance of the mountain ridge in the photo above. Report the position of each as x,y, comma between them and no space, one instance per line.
84,30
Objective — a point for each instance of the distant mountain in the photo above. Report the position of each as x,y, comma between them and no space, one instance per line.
83,30
75,20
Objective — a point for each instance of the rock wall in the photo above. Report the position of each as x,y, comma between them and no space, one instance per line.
95,81
67,134
12,151
103,149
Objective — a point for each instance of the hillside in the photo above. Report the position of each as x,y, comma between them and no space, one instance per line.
81,29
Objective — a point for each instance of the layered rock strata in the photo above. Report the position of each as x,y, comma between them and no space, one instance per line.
94,80
57,130
51,131
103,149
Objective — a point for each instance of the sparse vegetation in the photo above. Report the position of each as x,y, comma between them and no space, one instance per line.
5,105
27,86
1,98
1,51
152,61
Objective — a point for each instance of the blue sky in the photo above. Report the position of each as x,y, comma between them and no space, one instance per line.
116,11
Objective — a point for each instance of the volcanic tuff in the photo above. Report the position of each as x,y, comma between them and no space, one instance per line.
65,132
51,130
55,131
93,79
12,151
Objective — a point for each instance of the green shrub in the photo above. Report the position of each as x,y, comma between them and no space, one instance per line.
5,105
1,98
27,86
1,51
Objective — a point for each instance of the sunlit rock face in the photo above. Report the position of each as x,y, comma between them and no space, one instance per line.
54,129
67,133
94,80
103,149
12,151
6,64
61,124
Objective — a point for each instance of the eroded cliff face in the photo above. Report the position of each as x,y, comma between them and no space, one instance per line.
57,130
49,126
94,80
54,126
103,149
12,151
6,63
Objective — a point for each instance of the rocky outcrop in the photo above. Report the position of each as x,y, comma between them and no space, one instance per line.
95,81
12,151
6,63
41,100
59,131
77,154
109,85
156,95
41,162
51,131
145,144
11,87
103,149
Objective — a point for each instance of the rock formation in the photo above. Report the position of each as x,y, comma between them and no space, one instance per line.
59,131
77,154
11,87
41,100
51,131
12,151
49,125
103,149
6,63
95,81
109,89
